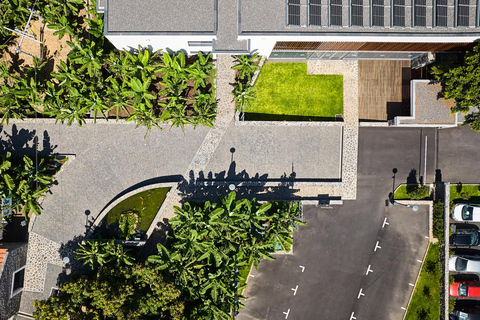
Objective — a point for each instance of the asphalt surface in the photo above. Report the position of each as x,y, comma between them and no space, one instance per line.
337,245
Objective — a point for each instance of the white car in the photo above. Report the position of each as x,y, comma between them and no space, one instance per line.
466,212
464,264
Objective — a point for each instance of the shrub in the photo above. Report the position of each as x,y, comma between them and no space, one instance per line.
465,195
127,223
418,192
438,222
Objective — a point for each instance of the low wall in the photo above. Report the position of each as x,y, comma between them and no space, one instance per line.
104,212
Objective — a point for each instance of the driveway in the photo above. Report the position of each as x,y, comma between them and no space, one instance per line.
337,246
458,155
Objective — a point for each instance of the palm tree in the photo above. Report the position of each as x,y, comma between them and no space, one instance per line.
243,94
93,253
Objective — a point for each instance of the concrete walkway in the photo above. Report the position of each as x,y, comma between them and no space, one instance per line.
349,70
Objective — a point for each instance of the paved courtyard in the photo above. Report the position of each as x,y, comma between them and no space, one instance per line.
337,245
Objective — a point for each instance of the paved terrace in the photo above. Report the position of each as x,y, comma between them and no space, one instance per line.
108,158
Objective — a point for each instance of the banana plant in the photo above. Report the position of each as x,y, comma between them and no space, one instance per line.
87,55
247,65
243,95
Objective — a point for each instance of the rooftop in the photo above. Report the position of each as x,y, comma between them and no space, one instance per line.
197,16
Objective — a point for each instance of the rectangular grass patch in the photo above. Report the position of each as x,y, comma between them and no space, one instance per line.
286,92
462,193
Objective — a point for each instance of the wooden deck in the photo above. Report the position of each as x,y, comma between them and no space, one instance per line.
383,89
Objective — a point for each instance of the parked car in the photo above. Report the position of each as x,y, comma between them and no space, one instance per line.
465,237
460,315
464,264
466,212
464,289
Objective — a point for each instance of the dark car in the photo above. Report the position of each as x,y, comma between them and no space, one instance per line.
460,315
465,237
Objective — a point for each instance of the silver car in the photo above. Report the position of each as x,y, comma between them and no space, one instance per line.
464,264
466,212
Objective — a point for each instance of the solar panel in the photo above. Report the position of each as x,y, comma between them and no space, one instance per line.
315,13
377,13
356,13
462,13
420,9
335,12
293,12
441,13
399,13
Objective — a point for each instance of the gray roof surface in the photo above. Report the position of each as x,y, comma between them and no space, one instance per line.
271,17
161,16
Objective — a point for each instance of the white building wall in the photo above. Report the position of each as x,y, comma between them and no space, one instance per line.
157,42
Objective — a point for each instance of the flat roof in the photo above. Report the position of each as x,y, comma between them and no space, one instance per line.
263,17
197,16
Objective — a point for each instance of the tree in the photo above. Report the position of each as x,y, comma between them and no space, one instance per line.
114,292
247,66
23,182
209,242
461,82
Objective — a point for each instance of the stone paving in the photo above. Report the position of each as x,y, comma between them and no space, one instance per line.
225,114
349,70
104,166
41,251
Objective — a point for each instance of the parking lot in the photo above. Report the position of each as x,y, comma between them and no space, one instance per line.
335,271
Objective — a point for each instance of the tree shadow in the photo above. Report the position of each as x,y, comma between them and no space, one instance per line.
25,142
74,266
412,182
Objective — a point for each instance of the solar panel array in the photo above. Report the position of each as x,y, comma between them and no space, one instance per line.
420,13
336,12
378,13
293,13
398,13
356,13
315,13
463,13
441,9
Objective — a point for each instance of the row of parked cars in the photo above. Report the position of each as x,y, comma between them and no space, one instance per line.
465,263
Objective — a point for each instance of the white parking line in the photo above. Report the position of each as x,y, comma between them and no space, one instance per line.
404,308
411,284
419,261
352,316
368,270
286,313
303,268
377,247
251,275
360,294
295,290
427,237
385,223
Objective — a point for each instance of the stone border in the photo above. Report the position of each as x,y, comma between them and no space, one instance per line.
446,235
104,212
373,124
54,121
287,123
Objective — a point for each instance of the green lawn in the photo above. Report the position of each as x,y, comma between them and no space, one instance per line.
456,192
285,89
401,194
146,204
425,303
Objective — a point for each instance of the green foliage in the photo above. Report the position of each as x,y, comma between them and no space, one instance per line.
99,253
287,90
418,192
127,223
247,65
438,221
425,303
210,242
460,82
23,182
451,305
115,292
